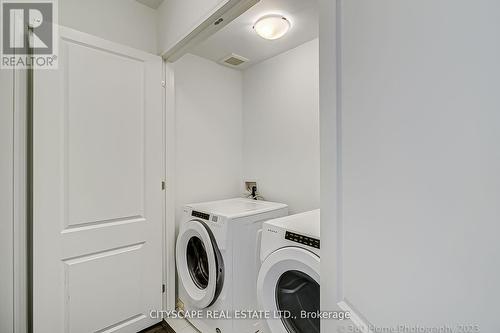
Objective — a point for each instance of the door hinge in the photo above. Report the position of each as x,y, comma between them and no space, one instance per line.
163,84
163,185
163,288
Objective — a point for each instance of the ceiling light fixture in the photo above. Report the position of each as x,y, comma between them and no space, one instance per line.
272,26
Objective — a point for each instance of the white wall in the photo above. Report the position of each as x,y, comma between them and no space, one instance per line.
281,127
122,21
6,200
208,131
420,183
262,124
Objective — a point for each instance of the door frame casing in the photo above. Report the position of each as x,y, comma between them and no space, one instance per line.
6,196
169,238
331,145
21,248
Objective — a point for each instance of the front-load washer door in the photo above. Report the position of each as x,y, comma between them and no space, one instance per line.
199,264
288,284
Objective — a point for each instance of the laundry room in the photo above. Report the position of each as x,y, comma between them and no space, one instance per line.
249,166
247,126
171,132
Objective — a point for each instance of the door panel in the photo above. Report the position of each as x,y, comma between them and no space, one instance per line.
105,170
103,272
98,200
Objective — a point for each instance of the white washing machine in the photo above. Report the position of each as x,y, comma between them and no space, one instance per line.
288,280
217,258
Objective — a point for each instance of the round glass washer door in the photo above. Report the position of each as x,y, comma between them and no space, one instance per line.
197,263
289,281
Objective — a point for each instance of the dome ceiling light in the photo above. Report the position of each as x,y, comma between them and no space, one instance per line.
272,26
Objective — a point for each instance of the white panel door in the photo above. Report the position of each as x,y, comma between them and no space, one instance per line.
98,199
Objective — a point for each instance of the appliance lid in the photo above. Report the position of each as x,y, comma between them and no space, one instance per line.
237,207
307,223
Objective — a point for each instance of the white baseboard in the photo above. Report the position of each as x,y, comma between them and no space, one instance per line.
358,320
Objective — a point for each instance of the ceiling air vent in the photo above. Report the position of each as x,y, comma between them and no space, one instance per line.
233,60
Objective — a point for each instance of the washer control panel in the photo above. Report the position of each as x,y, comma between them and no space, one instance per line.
306,240
203,216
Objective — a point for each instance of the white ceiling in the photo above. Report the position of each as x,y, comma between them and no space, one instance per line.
151,3
238,36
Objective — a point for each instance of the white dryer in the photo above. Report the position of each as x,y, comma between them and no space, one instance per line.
288,280
217,258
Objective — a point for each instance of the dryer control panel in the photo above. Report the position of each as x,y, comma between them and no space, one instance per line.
306,240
